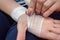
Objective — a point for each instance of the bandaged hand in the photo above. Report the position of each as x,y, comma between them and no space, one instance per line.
47,29
50,29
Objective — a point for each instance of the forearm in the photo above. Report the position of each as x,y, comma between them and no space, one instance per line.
22,27
21,35
8,5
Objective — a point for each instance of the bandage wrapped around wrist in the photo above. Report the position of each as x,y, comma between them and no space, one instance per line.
17,12
35,24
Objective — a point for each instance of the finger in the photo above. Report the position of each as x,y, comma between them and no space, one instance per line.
51,35
56,21
30,12
56,25
47,5
50,10
31,7
39,6
55,30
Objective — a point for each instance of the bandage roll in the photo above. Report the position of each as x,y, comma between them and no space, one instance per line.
17,12
35,24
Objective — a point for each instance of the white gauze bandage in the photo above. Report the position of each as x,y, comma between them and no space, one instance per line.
17,12
35,24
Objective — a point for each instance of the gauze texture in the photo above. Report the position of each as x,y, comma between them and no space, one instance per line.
17,12
35,24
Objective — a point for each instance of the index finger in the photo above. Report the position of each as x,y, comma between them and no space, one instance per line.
31,7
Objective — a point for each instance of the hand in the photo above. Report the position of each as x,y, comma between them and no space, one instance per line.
22,27
50,6
51,29
35,6
46,7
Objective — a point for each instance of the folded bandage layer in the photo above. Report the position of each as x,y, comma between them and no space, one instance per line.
35,24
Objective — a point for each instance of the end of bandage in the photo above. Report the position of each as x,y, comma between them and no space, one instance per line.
18,11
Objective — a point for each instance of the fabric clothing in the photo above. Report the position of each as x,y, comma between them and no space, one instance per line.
8,31
4,25
12,34
22,2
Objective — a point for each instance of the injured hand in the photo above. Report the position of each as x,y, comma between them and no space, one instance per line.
46,28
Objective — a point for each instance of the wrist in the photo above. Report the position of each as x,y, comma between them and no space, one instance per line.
35,24
17,12
21,31
21,35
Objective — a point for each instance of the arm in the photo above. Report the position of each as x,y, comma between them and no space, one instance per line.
8,5
43,29
21,35
22,27
5,6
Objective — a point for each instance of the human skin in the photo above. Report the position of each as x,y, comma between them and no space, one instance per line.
5,6
44,7
50,27
8,5
22,27
49,6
